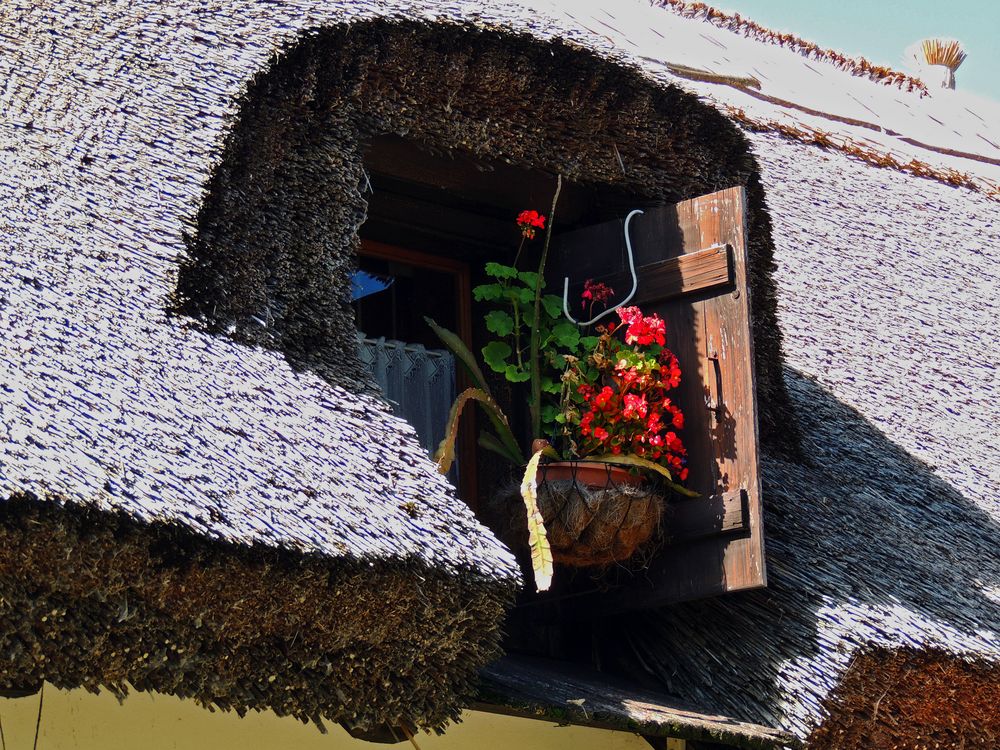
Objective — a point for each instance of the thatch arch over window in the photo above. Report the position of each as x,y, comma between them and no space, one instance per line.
278,233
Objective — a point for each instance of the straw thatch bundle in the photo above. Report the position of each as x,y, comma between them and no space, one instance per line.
913,699
92,600
277,235
163,475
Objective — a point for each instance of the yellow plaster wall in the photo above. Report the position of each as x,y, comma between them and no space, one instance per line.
77,720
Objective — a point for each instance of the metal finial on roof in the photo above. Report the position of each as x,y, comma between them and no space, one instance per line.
937,60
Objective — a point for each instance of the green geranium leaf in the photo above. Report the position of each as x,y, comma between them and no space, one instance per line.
487,292
553,305
500,271
550,413
526,296
551,386
495,355
529,278
499,322
589,342
566,334
516,375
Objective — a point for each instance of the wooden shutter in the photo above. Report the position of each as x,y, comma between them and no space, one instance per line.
691,261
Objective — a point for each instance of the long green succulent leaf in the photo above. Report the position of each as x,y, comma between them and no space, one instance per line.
538,540
496,416
444,456
491,442
460,350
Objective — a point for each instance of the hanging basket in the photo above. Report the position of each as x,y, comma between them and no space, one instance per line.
596,513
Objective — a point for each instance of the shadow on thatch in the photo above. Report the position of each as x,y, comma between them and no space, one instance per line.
866,547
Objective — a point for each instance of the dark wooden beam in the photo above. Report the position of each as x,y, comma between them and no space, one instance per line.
697,517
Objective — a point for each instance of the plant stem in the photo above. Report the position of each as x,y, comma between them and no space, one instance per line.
514,304
519,249
536,373
517,334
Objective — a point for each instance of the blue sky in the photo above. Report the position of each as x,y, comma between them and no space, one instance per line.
882,30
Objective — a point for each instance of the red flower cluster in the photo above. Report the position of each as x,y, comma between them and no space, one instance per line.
628,409
641,330
595,292
529,221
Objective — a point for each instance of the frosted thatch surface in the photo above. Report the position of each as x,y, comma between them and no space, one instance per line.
115,115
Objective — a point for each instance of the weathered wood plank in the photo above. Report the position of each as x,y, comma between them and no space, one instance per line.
556,691
722,218
691,272
718,397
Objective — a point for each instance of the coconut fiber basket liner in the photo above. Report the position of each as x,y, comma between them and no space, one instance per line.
592,523
588,524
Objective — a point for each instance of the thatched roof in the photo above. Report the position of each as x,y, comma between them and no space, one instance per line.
201,516
885,535
173,364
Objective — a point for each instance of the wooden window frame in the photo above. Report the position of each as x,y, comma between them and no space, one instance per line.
460,272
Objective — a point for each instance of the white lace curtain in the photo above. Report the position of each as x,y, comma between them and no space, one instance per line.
418,383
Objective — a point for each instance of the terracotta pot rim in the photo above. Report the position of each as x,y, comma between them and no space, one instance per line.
586,462
592,473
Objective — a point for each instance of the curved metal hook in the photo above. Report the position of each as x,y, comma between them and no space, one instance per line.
631,268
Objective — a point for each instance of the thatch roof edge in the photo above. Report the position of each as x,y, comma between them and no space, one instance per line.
551,691
99,600
857,66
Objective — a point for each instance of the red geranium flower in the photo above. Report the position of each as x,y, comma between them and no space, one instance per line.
635,406
595,292
601,399
529,221
642,330
622,392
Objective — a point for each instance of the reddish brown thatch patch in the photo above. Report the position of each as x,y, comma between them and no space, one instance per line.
913,700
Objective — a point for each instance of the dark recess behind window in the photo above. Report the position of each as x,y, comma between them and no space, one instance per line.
398,312
455,206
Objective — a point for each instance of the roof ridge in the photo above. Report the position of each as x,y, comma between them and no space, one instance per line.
879,158
857,66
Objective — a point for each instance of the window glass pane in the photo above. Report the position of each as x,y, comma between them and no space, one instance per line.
398,297
416,375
